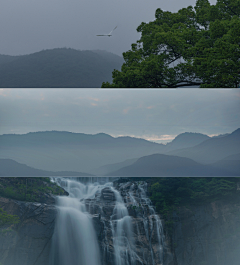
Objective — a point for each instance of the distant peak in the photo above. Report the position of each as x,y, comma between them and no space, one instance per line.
187,135
236,132
103,135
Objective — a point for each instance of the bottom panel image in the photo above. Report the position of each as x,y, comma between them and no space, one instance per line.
119,220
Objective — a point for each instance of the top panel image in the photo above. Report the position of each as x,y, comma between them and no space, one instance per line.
120,44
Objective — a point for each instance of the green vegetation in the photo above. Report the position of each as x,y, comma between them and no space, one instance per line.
60,67
195,46
167,194
7,219
28,189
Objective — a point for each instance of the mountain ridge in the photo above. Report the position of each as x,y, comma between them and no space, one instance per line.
59,67
10,167
167,165
92,153
212,149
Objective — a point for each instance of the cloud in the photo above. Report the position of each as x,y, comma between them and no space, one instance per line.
95,99
125,111
165,137
3,92
149,137
138,113
42,97
212,135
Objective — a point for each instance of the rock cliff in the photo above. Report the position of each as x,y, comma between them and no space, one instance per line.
27,242
202,234
207,234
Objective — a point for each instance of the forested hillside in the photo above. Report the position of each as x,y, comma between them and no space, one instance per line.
60,67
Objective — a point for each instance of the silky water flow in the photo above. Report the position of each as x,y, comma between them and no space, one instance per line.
75,241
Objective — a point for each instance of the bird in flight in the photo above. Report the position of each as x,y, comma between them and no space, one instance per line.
109,34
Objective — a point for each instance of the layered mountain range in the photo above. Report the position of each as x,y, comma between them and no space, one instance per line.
189,154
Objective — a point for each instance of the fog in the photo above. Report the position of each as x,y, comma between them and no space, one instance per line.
29,26
156,115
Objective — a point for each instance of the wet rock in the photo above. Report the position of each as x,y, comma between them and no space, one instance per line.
28,242
207,234
108,194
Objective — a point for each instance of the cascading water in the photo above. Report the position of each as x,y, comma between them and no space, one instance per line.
122,233
136,196
98,224
74,240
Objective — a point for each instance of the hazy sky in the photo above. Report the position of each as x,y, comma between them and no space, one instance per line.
29,26
157,115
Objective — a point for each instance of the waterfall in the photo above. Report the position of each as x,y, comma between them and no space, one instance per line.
136,196
74,239
101,223
122,233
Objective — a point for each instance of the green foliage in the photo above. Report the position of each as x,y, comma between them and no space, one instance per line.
7,219
195,46
28,189
169,193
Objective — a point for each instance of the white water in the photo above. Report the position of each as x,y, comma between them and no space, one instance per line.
150,218
75,241
122,233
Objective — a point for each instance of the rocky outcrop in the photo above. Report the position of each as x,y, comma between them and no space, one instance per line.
144,224
108,194
207,234
203,234
28,242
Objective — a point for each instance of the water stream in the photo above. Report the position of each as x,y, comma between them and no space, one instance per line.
98,224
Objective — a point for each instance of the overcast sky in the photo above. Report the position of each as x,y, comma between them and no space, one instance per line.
156,115
29,26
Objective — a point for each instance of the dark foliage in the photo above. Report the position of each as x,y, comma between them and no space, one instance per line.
196,46
166,193
28,189
58,68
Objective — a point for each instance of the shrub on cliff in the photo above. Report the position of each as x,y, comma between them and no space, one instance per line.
167,193
7,219
28,189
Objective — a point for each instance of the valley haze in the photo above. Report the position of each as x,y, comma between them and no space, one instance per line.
77,154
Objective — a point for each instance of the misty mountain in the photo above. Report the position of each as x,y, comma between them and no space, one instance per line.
185,140
165,165
7,58
232,157
213,149
182,140
229,163
60,67
72,151
113,167
9,167
99,153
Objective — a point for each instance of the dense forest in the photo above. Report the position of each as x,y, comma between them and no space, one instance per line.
169,193
58,68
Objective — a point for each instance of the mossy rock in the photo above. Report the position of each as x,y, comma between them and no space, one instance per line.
32,189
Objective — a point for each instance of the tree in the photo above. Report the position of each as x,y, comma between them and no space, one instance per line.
195,46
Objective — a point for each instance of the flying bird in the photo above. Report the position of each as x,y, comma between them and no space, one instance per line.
109,34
